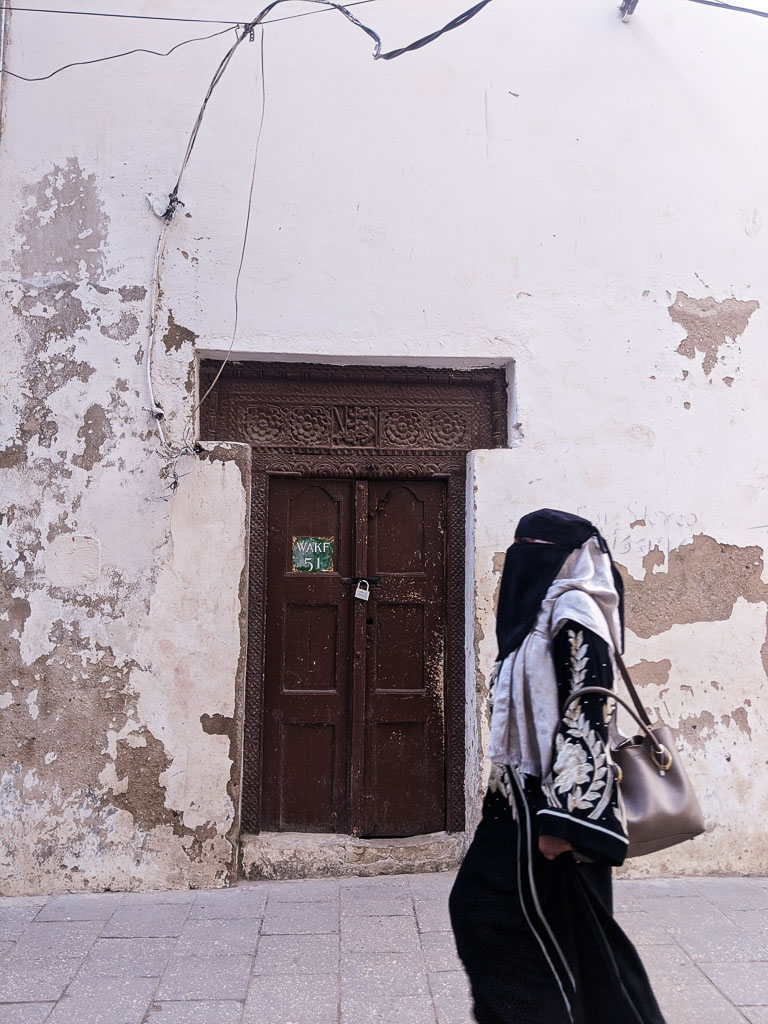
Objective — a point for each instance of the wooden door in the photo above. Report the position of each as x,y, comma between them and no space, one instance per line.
354,690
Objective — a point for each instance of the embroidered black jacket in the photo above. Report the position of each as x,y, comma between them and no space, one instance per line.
581,795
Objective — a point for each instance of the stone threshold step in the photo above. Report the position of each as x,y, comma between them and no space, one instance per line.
282,855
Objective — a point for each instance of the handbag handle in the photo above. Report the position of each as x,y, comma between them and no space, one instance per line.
662,757
641,712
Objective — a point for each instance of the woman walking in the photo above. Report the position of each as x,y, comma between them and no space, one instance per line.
531,907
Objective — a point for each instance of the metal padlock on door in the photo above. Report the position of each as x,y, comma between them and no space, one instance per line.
363,590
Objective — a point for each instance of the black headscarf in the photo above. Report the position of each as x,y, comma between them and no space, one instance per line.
529,570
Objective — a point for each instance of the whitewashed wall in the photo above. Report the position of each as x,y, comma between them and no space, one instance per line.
546,189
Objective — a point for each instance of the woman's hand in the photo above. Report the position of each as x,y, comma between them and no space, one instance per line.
551,847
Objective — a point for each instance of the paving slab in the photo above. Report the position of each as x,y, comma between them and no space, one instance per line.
746,984
432,915
301,918
234,904
14,920
451,997
208,1011
363,1006
148,920
285,999
330,951
25,1013
218,938
398,974
297,954
394,904
309,891
731,894
57,938
105,1001
439,951
132,958
88,907
34,981
379,935
684,993
200,977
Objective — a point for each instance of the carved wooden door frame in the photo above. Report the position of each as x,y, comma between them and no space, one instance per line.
368,422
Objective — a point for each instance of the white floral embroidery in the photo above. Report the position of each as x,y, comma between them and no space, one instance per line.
581,771
571,766
579,655
500,782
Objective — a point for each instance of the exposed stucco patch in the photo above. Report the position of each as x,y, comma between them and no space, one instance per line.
176,335
132,292
63,228
741,718
703,581
217,725
697,729
709,324
95,431
124,327
651,673
139,766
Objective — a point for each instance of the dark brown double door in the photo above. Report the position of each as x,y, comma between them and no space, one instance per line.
354,690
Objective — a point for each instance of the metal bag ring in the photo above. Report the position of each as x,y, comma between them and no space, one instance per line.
661,757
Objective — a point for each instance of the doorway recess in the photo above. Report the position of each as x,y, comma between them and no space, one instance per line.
371,464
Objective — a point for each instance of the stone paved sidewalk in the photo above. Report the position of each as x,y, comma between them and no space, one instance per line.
368,951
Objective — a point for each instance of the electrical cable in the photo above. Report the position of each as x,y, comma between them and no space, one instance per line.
155,53
730,7
462,19
114,56
224,362
174,201
158,17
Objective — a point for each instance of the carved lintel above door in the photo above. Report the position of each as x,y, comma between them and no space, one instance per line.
382,409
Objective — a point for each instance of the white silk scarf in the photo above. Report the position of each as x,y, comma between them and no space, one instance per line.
526,710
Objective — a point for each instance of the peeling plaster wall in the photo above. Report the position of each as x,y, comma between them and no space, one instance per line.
122,622
545,188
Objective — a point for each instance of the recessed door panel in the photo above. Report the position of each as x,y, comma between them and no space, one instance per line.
399,652
310,650
353,691
308,646
404,779
308,781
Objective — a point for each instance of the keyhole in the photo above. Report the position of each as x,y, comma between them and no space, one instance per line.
369,620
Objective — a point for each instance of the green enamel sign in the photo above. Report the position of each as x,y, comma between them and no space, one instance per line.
312,554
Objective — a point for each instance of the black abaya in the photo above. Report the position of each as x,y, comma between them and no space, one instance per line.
537,937
516,981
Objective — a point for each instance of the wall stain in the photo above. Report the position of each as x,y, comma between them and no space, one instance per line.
126,326
95,431
176,335
141,766
741,719
132,292
694,729
709,324
651,673
703,582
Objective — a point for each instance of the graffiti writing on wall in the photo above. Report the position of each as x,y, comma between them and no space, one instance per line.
637,528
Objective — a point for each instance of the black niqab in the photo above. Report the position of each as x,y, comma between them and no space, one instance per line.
529,570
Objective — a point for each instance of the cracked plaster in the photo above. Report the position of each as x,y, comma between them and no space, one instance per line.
108,778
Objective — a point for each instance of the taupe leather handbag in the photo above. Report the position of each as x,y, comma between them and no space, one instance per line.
660,804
